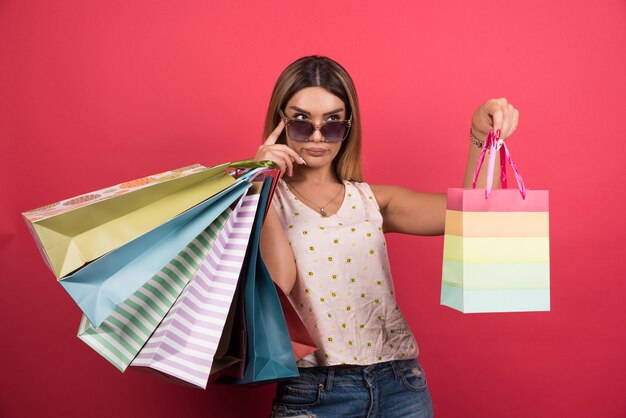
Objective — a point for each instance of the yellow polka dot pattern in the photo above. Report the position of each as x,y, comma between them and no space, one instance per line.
343,291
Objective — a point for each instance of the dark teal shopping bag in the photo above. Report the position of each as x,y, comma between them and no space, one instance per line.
269,353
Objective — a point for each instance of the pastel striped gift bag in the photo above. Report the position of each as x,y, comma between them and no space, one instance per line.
496,244
184,344
120,337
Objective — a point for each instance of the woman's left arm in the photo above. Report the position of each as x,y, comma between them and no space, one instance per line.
410,212
415,213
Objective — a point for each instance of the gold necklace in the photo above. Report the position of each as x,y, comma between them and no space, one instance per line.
321,208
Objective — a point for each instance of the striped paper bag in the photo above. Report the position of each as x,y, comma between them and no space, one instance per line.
120,337
496,244
184,344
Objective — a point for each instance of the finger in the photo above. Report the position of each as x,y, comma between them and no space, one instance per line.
489,108
507,115
288,164
278,153
497,117
296,157
284,160
513,118
293,154
280,163
516,120
273,137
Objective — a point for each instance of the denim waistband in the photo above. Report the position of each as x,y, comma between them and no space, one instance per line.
361,375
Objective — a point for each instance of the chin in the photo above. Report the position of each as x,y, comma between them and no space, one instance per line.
318,161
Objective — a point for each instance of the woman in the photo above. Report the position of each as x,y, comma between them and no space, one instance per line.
324,245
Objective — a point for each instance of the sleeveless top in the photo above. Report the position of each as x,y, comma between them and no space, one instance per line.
343,292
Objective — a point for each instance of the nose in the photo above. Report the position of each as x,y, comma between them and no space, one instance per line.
316,136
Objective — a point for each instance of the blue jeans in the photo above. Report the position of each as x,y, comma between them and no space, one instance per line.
383,390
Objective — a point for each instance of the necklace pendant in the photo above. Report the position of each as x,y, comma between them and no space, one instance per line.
323,212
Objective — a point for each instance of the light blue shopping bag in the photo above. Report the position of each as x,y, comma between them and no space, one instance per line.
100,286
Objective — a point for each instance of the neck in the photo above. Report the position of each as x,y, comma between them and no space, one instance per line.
317,176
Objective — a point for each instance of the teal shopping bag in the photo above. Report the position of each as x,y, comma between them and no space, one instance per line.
269,353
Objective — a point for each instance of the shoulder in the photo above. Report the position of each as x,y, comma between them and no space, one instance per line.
383,193
364,190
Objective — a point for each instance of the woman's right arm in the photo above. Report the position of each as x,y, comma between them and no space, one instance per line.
275,247
277,253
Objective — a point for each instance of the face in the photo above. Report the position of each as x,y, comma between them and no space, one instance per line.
317,105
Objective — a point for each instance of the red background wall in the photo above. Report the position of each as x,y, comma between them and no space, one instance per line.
96,93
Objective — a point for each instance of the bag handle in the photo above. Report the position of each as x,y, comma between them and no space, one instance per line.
250,163
247,169
494,143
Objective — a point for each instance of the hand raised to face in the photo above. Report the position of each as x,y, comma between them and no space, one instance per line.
281,154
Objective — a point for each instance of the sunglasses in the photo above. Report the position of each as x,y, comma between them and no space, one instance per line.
301,130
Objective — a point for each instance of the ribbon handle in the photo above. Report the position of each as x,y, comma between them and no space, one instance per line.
248,169
250,163
494,144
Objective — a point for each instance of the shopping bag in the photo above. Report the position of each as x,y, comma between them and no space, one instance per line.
120,337
496,244
108,281
229,358
76,231
269,354
184,344
301,341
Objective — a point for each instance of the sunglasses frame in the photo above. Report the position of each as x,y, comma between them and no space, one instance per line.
316,126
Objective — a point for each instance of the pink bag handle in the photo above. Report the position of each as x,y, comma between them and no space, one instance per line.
494,143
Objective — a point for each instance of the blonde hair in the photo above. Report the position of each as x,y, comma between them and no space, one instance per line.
318,71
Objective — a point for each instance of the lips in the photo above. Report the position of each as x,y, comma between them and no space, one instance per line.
316,152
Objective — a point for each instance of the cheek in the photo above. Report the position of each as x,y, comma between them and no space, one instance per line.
336,148
294,145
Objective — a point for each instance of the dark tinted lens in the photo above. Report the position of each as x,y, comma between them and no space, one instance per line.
334,131
300,130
